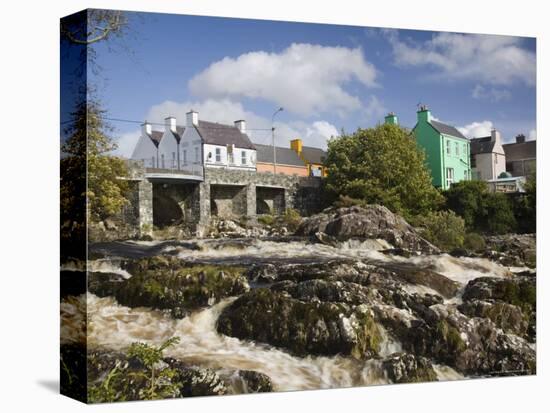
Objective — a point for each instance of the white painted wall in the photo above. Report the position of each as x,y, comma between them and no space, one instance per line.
168,149
190,144
211,161
490,165
145,149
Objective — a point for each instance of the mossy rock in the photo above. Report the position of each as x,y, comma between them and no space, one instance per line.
408,368
318,328
167,283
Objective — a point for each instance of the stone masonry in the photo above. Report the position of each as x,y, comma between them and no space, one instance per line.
225,192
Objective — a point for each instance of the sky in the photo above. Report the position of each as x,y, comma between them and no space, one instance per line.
327,78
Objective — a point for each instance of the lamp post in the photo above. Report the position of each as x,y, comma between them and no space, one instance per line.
273,139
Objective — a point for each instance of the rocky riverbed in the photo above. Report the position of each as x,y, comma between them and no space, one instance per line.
355,297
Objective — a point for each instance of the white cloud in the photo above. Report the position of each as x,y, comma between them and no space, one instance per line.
227,111
375,109
490,59
477,129
492,94
532,134
305,79
126,143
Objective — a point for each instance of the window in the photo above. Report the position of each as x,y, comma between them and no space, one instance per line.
450,173
218,155
152,161
173,159
184,156
457,152
162,161
448,147
196,154
243,157
496,159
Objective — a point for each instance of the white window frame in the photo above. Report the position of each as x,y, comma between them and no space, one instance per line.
218,155
449,176
457,149
185,156
243,158
448,147
173,159
162,160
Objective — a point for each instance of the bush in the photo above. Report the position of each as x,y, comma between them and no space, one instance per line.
444,229
481,210
266,219
474,242
292,219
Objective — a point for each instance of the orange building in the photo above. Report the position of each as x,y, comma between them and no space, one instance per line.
287,161
314,158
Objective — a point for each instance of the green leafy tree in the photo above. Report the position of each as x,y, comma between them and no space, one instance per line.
466,198
87,151
525,206
445,229
381,165
499,215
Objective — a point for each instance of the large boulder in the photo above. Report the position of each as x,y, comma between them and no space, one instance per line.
369,222
407,368
320,328
167,283
515,250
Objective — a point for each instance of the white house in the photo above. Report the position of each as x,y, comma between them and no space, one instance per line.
199,143
488,160
147,145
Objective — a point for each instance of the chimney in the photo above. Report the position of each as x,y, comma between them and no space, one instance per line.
192,118
520,138
495,136
296,145
241,125
391,119
424,114
170,124
146,129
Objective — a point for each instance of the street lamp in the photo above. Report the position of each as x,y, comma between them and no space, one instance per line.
273,138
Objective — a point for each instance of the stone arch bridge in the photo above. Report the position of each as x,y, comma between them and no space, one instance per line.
160,197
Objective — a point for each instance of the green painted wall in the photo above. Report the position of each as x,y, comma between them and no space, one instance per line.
438,159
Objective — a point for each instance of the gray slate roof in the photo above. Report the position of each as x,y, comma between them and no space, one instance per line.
481,145
447,129
313,155
285,156
519,151
156,136
220,134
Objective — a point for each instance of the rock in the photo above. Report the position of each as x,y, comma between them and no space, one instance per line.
197,381
516,290
256,382
104,284
110,224
506,316
370,222
443,285
516,250
407,368
166,283
319,328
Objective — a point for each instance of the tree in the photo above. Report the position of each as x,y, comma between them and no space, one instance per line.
466,199
381,165
445,229
87,160
97,26
482,210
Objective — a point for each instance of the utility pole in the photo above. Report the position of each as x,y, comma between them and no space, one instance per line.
273,139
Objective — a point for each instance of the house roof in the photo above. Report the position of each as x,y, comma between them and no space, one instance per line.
313,155
156,136
179,133
447,129
220,134
481,145
519,151
285,156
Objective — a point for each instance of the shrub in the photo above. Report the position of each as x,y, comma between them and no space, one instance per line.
499,215
445,229
292,219
266,219
474,242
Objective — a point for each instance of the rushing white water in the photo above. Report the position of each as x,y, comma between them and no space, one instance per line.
101,265
114,326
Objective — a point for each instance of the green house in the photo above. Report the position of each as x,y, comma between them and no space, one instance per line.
447,150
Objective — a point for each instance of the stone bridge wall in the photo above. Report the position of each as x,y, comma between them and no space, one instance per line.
233,191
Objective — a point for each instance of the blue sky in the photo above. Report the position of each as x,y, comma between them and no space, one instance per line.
326,77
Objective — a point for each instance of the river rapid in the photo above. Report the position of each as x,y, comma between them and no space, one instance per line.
113,326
